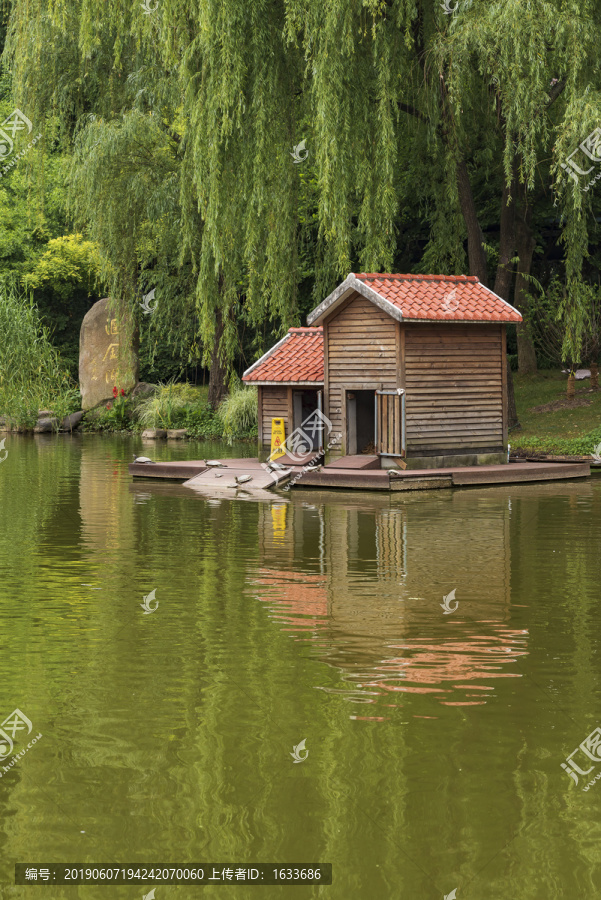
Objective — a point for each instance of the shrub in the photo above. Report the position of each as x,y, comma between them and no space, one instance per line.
203,422
579,446
238,413
168,407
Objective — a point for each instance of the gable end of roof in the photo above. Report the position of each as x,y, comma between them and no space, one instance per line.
339,295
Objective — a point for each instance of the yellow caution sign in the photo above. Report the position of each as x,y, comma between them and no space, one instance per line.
278,437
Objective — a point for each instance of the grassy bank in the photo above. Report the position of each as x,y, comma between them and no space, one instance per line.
180,406
552,424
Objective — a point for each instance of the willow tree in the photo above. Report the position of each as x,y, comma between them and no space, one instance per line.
118,116
468,117
542,63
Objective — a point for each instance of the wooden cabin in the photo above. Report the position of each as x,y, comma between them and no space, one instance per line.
411,366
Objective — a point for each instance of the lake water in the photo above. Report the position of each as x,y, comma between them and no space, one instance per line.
433,741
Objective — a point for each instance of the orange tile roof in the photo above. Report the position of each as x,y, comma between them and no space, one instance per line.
440,298
296,359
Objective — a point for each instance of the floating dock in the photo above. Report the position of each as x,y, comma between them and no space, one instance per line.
359,473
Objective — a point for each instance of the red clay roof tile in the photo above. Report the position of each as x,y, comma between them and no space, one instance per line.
297,358
442,298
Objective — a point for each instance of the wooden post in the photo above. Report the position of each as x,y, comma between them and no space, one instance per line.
400,355
401,379
504,384
350,407
326,386
297,407
290,407
260,417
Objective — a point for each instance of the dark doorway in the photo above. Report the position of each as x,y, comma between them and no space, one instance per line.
305,403
360,411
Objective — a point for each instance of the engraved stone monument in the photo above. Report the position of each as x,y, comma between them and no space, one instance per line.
107,354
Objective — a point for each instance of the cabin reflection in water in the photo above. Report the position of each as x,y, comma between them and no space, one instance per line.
368,596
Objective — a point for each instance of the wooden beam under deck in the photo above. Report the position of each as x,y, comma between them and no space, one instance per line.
371,479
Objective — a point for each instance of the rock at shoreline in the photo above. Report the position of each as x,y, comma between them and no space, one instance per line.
177,434
70,423
44,425
107,355
153,434
144,389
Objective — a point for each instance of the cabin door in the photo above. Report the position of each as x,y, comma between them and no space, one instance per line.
360,422
304,405
390,423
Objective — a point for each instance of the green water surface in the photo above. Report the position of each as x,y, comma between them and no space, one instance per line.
434,740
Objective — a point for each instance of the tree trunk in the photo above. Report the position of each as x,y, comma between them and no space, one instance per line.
525,248
217,372
504,277
571,390
475,250
477,259
594,376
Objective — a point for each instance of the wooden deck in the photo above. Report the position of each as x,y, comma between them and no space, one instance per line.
355,477
361,461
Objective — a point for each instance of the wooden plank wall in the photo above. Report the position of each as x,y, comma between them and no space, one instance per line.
274,405
454,382
361,349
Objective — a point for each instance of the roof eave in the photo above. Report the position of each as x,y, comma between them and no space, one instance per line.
315,384
512,308
466,321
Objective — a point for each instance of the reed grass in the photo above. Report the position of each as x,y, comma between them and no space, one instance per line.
238,413
32,375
